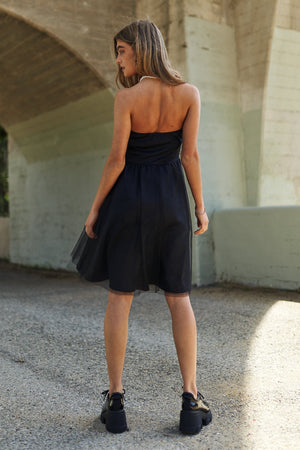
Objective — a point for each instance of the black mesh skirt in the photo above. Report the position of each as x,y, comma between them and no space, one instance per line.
144,227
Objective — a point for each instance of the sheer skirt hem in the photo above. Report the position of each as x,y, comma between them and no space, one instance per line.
151,288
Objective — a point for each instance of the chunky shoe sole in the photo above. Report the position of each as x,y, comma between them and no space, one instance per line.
191,422
115,421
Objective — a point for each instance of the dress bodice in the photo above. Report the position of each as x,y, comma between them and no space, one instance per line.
153,148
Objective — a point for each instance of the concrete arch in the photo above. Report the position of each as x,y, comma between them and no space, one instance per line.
39,72
86,27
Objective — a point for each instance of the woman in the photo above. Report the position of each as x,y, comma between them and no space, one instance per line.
138,231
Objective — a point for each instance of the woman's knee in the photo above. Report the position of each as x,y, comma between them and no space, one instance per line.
177,301
120,300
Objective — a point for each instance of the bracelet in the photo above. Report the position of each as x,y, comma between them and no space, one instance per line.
200,213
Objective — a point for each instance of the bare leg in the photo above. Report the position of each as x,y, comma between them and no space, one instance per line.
185,338
115,334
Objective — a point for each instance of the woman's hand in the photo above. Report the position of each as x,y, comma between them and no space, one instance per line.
89,224
202,221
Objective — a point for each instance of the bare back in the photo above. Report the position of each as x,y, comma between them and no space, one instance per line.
157,107
153,106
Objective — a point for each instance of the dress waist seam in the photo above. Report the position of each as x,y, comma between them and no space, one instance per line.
172,161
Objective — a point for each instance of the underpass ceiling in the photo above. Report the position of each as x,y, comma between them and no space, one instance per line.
38,73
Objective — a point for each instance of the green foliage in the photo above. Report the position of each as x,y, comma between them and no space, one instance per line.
3,174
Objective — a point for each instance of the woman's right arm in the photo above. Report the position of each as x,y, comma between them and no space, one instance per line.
190,158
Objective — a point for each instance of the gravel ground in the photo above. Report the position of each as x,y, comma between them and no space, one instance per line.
53,367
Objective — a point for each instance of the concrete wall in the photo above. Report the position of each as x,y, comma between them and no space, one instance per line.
258,246
55,163
4,237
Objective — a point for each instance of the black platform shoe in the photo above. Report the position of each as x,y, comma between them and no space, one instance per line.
194,414
113,414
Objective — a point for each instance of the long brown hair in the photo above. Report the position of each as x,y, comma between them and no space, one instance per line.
151,54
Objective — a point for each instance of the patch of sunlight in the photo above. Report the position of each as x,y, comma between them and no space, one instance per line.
272,390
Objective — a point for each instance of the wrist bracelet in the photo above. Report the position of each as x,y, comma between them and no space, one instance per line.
200,213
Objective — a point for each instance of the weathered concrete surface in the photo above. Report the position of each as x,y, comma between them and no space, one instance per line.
279,182
52,195
258,246
220,133
39,73
53,367
85,27
254,21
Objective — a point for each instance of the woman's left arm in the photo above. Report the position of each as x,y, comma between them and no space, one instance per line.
116,159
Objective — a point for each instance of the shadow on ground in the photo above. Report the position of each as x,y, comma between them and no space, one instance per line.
53,366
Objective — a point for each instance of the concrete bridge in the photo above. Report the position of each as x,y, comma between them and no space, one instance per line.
56,98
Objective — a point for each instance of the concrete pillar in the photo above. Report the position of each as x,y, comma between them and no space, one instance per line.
279,175
253,21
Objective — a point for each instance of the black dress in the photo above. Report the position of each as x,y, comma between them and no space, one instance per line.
144,225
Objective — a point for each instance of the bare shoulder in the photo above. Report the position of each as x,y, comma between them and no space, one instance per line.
190,91
121,96
125,97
